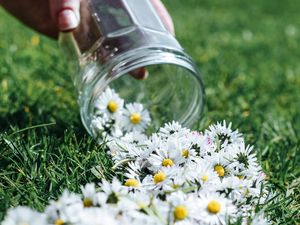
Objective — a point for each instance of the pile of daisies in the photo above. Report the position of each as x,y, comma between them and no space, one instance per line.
174,177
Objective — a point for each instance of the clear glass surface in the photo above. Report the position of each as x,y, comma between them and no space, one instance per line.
120,36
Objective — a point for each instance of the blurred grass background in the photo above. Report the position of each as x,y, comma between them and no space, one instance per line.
248,53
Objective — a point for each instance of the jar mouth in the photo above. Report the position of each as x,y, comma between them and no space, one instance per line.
177,85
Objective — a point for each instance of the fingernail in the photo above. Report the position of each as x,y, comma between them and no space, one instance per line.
140,73
67,20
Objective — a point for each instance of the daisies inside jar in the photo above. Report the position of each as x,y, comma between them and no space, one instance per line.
130,69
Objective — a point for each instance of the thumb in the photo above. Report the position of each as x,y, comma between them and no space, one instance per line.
65,13
164,15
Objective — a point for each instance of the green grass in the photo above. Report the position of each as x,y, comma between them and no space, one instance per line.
248,52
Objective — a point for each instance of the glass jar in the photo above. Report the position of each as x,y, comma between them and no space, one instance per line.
117,38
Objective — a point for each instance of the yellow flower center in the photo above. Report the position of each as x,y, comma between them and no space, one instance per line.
142,205
204,178
35,40
87,202
135,118
241,177
214,207
112,106
167,162
175,186
180,212
132,183
59,222
159,177
220,170
26,109
185,153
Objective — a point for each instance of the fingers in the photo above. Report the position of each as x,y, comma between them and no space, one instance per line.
142,73
164,15
65,13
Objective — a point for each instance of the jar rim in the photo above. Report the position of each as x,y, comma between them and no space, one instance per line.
121,64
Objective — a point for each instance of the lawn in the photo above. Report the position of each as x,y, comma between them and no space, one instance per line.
248,53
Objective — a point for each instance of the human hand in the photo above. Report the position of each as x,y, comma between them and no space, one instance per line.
49,17
52,16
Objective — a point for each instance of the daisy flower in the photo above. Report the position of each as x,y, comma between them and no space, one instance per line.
179,180
196,141
121,150
96,216
125,205
116,149
65,210
188,148
135,217
135,117
182,206
259,219
234,188
172,129
160,178
142,199
203,174
113,190
23,215
222,135
161,208
243,161
135,137
132,183
133,169
218,162
109,104
106,128
89,195
171,153
215,209
154,142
